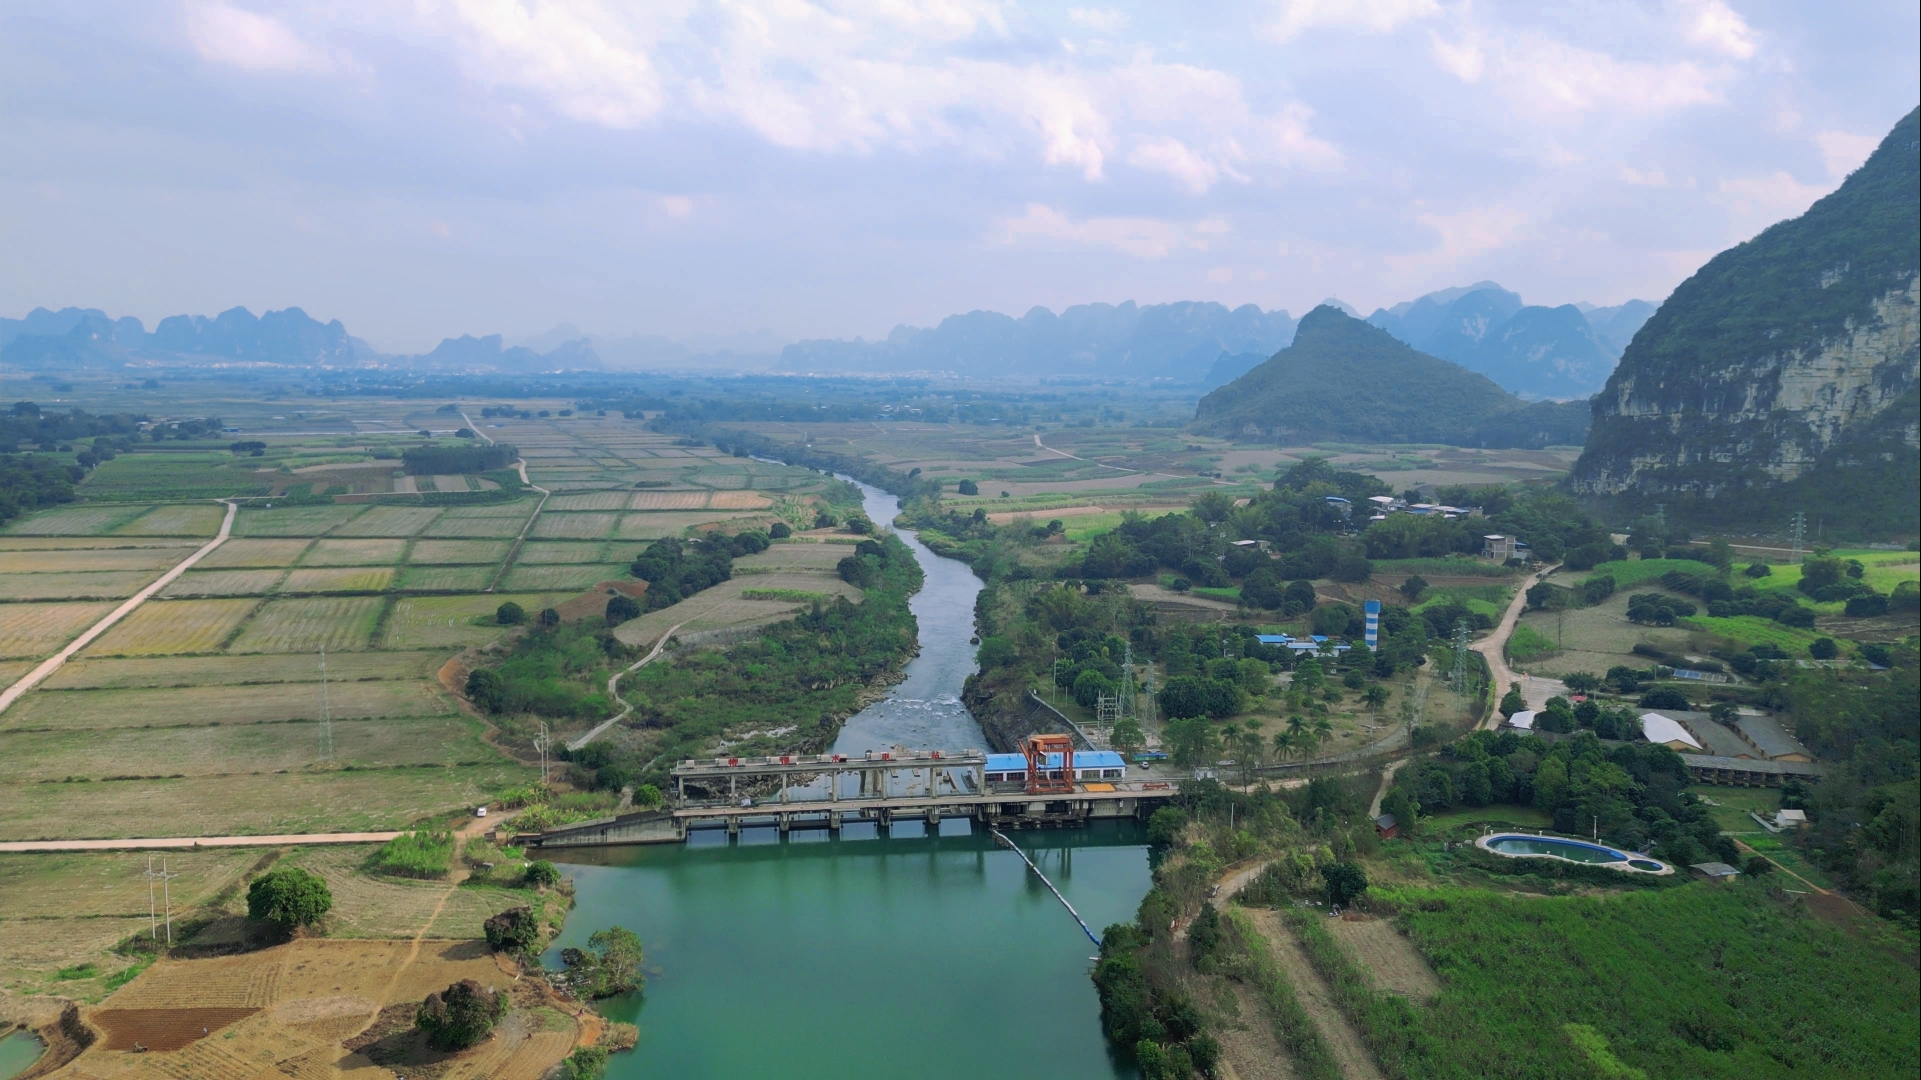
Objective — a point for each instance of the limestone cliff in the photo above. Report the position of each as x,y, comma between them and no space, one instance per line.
1783,375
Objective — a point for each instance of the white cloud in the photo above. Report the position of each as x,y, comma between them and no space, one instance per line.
1760,201
1099,20
1843,153
677,206
1171,156
1719,27
1465,235
242,39
1145,238
1220,275
1369,16
1535,73
1654,178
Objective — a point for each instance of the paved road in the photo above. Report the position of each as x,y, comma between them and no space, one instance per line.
53,664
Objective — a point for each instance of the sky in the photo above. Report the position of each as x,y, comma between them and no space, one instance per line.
425,168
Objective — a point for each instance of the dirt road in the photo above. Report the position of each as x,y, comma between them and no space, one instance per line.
53,664
1494,648
612,691
165,843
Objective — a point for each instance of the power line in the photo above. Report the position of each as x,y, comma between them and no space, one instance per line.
1797,535
326,712
541,742
1457,678
153,919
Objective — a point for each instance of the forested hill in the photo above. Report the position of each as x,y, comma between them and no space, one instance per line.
1783,375
1344,379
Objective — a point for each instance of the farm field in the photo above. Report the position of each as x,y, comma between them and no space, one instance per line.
390,521
161,627
245,553
332,552
96,560
360,800
197,705
488,552
201,520
32,631
445,578
197,582
309,625
420,622
339,579
1598,638
293,520
563,578
105,585
235,748
83,673
75,521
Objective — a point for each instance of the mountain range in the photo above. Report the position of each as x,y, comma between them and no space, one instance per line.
1343,378
1784,377
1537,352
1123,341
75,338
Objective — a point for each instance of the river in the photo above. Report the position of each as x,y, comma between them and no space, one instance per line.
864,956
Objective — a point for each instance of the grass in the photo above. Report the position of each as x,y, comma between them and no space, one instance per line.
339,579
230,749
1636,571
1296,1030
793,596
201,705
1442,568
1753,630
1520,817
332,552
192,520
1526,644
240,553
1700,981
108,585
420,622
75,521
84,673
416,855
256,520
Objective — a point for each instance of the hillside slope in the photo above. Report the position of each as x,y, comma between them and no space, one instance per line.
1344,379
1783,375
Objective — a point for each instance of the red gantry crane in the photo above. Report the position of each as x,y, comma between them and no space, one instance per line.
1041,780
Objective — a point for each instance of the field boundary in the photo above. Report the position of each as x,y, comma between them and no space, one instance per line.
53,663
168,843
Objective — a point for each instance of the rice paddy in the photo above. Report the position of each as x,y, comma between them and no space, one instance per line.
575,526
339,579
111,584
250,553
224,583
391,521
293,520
489,552
178,520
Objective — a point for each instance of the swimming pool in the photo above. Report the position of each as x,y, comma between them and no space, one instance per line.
1521,846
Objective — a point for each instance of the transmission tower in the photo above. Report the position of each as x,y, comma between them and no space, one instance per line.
1797,535
541,742
1457,678
1127,705
326,712
153,916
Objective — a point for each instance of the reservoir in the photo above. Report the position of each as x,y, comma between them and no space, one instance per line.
865,956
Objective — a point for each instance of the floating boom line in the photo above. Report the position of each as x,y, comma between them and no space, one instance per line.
1015,848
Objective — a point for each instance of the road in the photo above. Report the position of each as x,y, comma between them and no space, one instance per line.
625,706
1116,468
1494,648
169,843
520,465
53,664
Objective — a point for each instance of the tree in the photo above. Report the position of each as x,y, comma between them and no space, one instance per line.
1127,736
515,930
1190,740
549,618
289,897
486,689
585,1063
1824,649
1089,686
1512,701
1413,587
621,608
968,487
609,965
461,1015
1283,744
1375,696
510,614
1323,730
1345,881
825,520
1204,935
1758,570
1581,682
780,530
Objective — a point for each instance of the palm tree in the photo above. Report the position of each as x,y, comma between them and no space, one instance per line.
1375,697
1295,726
1283,744
1323,730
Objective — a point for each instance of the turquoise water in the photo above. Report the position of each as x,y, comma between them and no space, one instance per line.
1571,850
928,957
17,1051
866,957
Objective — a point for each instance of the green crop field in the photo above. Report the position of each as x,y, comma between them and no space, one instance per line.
332,552
159,627
293,520
1736,982
31,631
145,476
191,520
199,705
224,583
92,560
27,758
235,673
339,579
108,585
238,553
575,526
458,551
1753,630
76,521
420,622
566,577
651,526
335,801
445,578
308,625
556,552
450,527
391,521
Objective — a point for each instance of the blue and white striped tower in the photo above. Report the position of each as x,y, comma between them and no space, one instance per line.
1373,610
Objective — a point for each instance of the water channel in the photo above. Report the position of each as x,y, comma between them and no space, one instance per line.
869,956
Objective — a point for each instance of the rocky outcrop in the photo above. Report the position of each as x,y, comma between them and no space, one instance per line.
1786,365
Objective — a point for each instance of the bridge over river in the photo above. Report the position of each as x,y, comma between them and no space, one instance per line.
811,791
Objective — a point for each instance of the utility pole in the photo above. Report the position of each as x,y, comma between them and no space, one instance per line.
153,916
541,742
326,712
1463,636
1797,535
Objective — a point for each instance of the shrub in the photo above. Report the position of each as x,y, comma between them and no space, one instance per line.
1345,881
515,930
609,965
1824,649
1867,606
622,608
510,614
289,897
1665,697
585,1063
1758,570
541,872
780,530
416,854
968,487
460,1016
